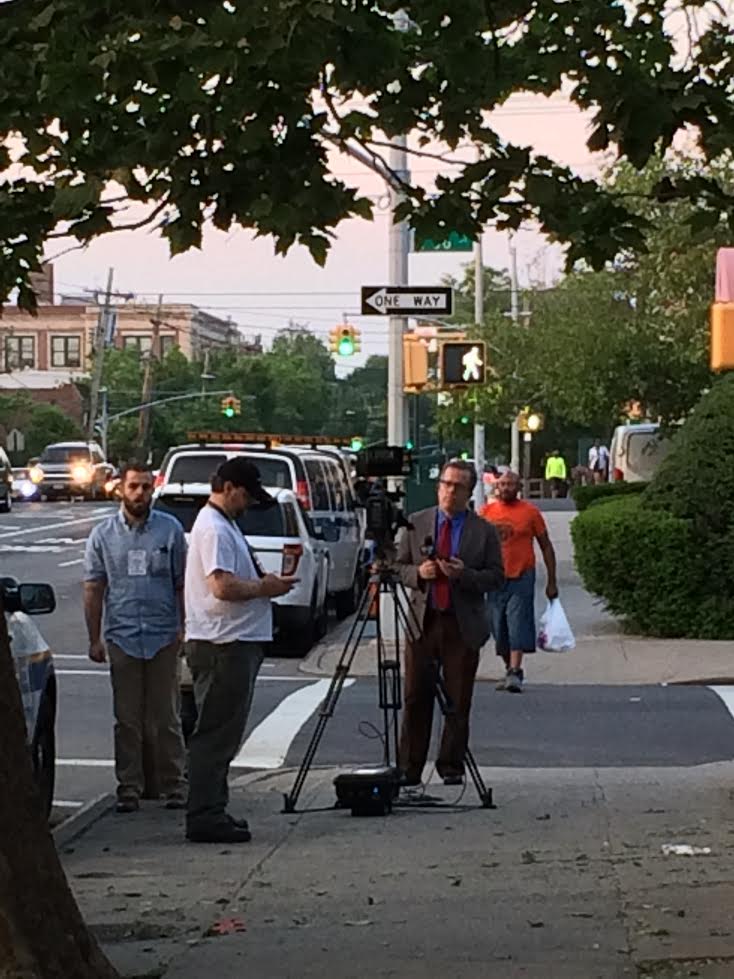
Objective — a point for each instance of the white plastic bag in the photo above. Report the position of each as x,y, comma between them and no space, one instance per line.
554,634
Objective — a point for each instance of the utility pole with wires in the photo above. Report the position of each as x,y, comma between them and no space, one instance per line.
148,376
100,343
515,317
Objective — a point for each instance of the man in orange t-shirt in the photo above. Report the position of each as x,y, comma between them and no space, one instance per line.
512,608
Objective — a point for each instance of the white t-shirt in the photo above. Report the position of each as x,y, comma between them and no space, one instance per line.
217,544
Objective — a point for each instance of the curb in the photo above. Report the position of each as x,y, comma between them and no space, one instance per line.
82,820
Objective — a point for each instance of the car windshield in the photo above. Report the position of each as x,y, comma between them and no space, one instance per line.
255,522
61,454
199,468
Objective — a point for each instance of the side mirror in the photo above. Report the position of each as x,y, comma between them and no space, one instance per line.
31,598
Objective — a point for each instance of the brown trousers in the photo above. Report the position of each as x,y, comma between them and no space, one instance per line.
149,748
440,647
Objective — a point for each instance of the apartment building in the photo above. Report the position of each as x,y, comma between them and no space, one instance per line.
60,337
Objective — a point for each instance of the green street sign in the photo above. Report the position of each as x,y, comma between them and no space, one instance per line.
453,243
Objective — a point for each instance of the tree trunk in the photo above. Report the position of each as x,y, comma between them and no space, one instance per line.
42,934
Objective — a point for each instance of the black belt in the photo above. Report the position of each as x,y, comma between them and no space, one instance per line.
442,611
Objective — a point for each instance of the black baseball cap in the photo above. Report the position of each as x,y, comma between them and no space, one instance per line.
242,472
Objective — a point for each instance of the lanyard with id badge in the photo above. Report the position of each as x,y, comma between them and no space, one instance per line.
137,564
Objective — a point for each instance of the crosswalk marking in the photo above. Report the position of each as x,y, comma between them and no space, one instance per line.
727,696
54,526
268,744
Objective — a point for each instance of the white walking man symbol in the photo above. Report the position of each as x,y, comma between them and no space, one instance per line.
472,363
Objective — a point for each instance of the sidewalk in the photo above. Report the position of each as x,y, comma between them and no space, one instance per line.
566,879
603,654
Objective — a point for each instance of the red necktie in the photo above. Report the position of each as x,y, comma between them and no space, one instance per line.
441,587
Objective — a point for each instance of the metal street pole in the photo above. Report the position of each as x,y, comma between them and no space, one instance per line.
99,352
515,316
479,446
399,248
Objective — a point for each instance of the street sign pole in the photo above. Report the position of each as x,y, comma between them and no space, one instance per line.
479,446
515,315
399,249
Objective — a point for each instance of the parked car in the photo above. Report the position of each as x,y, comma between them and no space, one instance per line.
636,452
6,483
34,670
319,477
71,469
284,541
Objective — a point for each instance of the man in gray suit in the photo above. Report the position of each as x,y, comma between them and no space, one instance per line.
449,560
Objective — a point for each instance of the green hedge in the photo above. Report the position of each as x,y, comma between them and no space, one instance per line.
586,496
650,568
695,481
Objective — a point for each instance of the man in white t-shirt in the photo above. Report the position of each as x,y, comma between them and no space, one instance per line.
228,617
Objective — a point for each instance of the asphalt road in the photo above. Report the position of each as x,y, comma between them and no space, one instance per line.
547,726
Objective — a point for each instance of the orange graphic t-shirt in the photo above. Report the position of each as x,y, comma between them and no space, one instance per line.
518,524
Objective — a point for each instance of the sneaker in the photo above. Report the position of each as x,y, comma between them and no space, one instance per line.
513,681
127,803
224,831
176,800
453,779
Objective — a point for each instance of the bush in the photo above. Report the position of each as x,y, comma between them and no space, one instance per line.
695,481
650,569
586,496
663,559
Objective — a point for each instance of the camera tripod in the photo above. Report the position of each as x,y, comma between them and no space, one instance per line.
383,581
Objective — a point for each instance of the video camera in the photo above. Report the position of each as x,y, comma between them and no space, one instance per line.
384,516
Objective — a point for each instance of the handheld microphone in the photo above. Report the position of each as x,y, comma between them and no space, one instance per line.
428,551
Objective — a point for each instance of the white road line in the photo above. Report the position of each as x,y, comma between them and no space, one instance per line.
727,695
70,656
268,744
82,672
85,762
106,672
53,526
67,804
68,564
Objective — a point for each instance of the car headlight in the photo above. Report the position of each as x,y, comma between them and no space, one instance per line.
27,488
36,475
81,473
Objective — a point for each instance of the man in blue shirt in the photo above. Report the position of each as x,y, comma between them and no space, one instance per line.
134,572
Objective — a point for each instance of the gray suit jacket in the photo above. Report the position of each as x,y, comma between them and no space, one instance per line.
483,572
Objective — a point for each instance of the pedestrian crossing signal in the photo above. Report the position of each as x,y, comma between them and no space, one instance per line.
462,364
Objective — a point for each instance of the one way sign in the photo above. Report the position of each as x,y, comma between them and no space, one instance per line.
407,300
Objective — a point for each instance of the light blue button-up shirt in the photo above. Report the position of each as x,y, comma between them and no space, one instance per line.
143,567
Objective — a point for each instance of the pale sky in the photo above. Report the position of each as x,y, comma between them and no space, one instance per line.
234,274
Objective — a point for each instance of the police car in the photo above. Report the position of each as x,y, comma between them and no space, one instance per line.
35,674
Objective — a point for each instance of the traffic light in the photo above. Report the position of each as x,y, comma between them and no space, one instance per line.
530,421
345,340
462,364
465,419
231,406
356,444
415,363
722,336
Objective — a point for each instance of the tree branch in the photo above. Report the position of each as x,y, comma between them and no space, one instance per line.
134,226
442,157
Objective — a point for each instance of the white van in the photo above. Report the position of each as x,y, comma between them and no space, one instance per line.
636,452
320,480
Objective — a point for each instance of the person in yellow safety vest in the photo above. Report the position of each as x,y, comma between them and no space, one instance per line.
555,473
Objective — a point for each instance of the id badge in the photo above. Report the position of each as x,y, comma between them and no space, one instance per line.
137,564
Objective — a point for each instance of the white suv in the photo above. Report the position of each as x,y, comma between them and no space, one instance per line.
320,479
285,542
